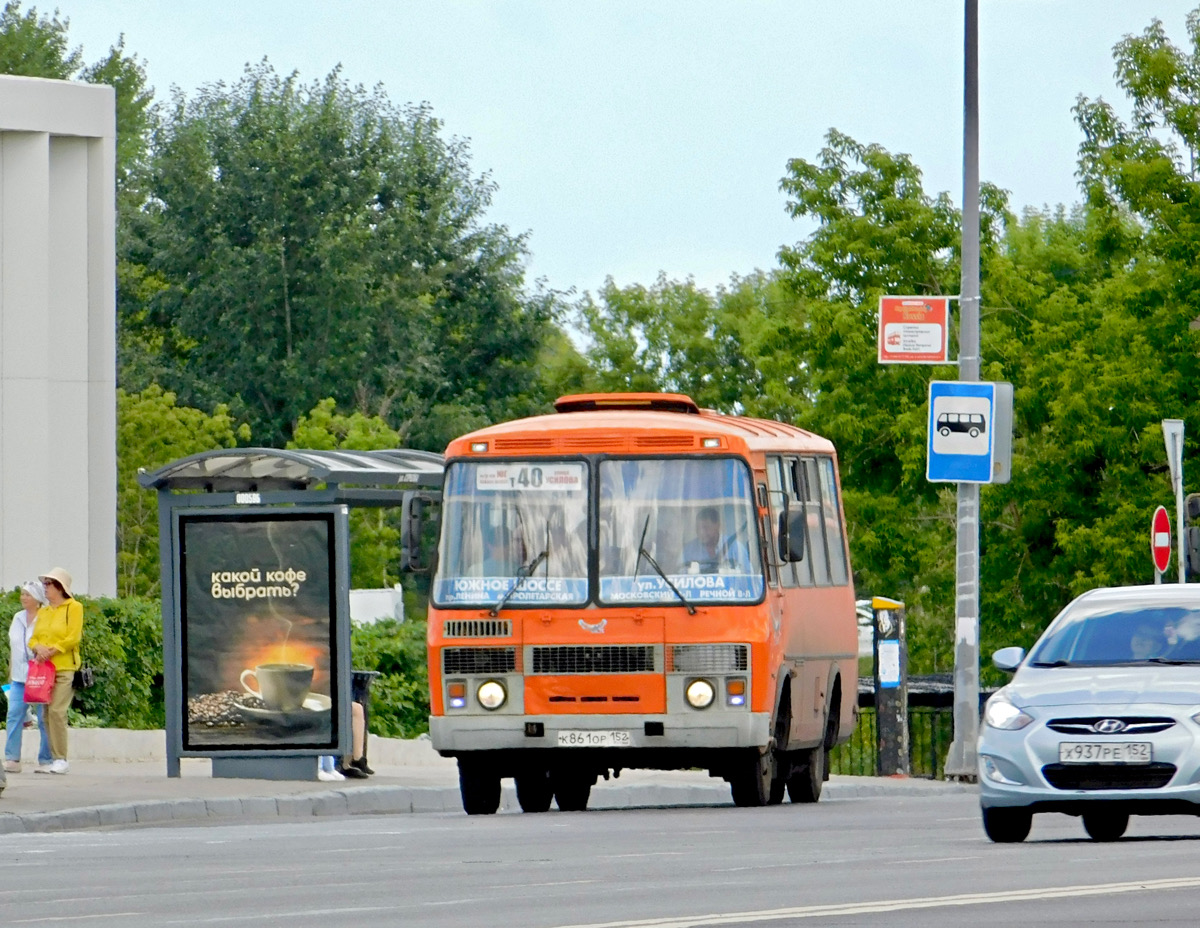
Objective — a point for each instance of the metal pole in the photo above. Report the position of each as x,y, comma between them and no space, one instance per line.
961,761
1173,436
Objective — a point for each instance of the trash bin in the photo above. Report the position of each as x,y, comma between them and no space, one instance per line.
360,692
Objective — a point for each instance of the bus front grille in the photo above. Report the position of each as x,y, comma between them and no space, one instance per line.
708,658
580,659
477,628
463,661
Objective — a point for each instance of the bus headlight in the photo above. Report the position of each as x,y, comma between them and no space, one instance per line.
491,695
699,694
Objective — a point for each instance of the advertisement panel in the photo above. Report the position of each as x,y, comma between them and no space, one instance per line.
258,630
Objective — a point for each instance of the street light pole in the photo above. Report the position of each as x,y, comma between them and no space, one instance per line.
961,761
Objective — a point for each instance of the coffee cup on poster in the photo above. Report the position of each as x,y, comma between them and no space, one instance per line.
281,687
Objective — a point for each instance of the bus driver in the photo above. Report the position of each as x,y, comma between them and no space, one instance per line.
709,551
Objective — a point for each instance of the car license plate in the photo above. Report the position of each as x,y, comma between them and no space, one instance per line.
594,739
1104,752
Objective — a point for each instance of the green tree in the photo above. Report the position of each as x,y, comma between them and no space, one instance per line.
316,241
152,431
374,532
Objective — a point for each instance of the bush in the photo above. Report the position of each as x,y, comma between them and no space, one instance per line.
400,694
122,640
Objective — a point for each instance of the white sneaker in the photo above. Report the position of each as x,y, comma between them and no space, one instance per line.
12,766
59,766
43,768
329,775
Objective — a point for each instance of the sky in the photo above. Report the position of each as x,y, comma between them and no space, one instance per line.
632,138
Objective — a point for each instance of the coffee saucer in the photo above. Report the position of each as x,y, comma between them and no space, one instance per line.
313,706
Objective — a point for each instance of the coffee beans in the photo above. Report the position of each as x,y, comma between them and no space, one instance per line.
220,710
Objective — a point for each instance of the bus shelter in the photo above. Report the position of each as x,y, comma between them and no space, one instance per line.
255,552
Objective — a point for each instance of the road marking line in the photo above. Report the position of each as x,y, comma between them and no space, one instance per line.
897,905
72,918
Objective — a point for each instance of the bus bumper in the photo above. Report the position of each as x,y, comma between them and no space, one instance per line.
457,734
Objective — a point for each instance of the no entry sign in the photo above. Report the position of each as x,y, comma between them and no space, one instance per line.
1160,539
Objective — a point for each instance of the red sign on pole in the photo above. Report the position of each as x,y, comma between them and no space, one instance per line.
913,329
1160,539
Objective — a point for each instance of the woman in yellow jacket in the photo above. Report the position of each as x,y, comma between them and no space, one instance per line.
56,638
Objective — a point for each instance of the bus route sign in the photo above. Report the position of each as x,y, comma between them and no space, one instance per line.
913,329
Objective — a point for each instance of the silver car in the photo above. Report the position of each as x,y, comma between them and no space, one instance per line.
1101,719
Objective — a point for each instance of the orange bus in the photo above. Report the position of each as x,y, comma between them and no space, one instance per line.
633,582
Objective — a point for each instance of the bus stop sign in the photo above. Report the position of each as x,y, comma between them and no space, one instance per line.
970,432
1160,539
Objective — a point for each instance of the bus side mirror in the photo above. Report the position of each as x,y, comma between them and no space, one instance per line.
413,520
791,536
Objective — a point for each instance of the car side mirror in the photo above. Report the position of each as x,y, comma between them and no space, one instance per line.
791,536
1008,659
414,518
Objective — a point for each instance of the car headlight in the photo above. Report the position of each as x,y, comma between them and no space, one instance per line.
700,694
491,695
1002,714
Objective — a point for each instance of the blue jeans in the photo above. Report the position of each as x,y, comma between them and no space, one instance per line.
16,723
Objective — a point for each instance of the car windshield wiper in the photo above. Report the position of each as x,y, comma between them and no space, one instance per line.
1168,660
523,572
1059,663
643,553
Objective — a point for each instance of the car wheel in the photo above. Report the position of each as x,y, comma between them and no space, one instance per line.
1104,825
1007,826
752,778
535,792
479,788
572,789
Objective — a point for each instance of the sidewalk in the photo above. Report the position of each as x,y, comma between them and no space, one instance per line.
119,778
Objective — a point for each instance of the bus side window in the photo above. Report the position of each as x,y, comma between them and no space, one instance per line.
816,523
778,483
770,554
796,483
833,523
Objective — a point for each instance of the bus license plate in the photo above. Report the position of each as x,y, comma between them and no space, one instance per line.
594,739
1098,752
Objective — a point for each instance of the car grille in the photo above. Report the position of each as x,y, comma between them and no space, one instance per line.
576,659
1108,776
1134,725
707,658
478,660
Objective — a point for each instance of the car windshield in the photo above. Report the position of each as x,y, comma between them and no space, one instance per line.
513,531
1116,633
681,528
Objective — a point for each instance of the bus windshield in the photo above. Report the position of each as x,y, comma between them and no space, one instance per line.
514,532
692,517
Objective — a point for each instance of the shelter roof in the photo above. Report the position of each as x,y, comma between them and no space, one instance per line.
257,469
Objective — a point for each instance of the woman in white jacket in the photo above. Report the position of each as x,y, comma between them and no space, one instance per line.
33,595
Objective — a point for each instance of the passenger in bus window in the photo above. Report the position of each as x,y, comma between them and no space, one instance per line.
710,550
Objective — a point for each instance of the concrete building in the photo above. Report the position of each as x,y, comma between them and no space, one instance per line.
58,471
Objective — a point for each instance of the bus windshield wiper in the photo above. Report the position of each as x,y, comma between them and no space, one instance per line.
523,572
643,553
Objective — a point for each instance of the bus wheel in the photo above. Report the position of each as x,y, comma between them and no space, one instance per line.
479,787
534,790
750,778
807,777
572,790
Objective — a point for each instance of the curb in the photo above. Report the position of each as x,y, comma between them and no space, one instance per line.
392,800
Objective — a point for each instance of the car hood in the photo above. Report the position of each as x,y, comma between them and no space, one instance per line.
1109,686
